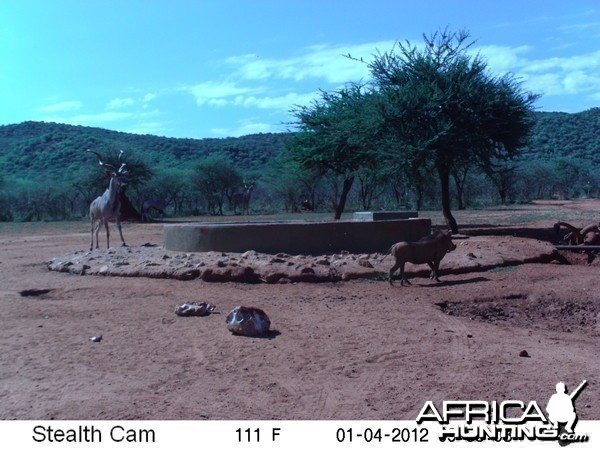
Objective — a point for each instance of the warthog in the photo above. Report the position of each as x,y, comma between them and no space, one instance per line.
429,250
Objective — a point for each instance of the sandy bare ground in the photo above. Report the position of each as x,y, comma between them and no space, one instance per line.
356,349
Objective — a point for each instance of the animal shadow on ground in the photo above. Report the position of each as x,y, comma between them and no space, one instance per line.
456,282
440,283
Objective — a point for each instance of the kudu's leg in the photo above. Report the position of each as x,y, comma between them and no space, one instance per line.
118,220
107,233
96,229
92,243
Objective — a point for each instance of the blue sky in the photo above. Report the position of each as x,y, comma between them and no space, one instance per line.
203,68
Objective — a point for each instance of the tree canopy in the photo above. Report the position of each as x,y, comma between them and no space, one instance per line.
430,108
444,109
338,136
216,180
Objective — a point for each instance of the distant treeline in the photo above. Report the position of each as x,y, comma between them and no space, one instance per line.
45,173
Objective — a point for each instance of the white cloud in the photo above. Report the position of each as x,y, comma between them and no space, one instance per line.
253,76
547,83
283,102
218,102
328,62
147,113
117,114
553,76
279,84
590,61
72,105
149,97
216,93
577,27
579,81
578,74
118,103
229,94
503,59
251,66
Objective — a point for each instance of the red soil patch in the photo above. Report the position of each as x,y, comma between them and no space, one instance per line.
356,349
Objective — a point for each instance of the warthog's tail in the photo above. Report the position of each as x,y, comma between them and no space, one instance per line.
385,255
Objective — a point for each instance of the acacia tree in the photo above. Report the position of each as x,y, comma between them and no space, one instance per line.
337,137
292,183
170,184
216,179
444,108
503,177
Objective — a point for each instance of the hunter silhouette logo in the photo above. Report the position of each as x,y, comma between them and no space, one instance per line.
561,411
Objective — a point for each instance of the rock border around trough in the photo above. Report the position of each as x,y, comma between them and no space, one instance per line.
473,254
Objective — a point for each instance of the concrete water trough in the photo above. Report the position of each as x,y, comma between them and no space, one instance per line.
294,237
369,216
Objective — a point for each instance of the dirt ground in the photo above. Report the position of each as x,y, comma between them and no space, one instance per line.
356,349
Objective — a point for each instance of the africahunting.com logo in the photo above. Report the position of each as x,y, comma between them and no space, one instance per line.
509,420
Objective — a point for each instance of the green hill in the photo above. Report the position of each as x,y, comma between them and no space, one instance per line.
557,134
32,148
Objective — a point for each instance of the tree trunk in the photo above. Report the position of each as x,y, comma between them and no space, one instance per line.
419,191
459,182
339,209
502,191
459,194
444,174
399,195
